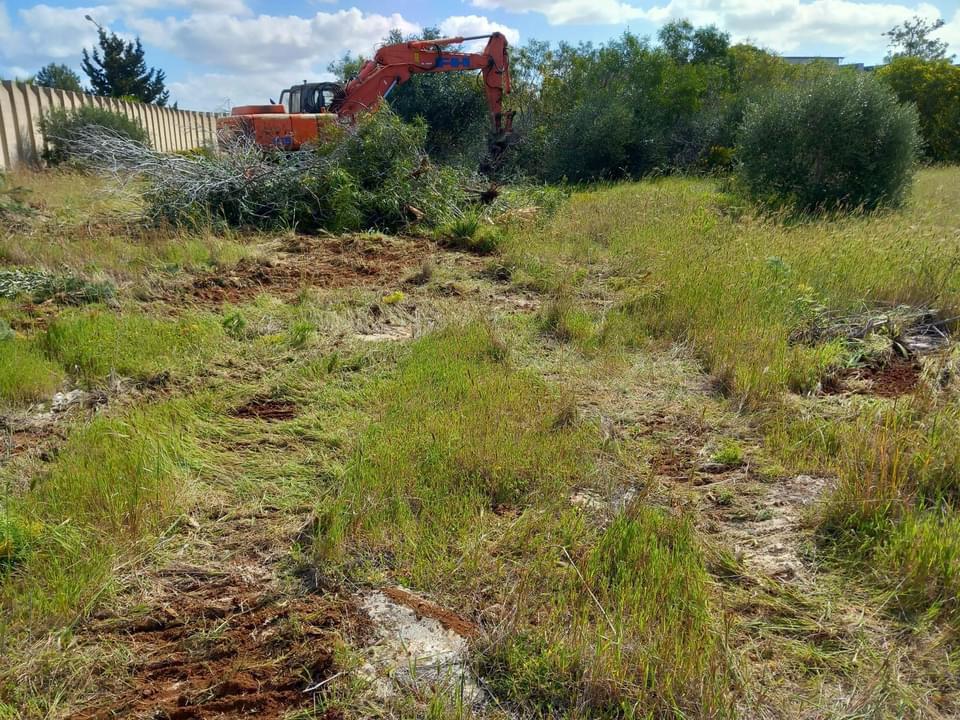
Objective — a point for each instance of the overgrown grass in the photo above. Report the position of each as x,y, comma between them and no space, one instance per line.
686,263
462,433
689,265
625,628
461,486
25,374
94,343
115,482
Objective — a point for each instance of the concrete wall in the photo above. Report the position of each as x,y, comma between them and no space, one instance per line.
22,106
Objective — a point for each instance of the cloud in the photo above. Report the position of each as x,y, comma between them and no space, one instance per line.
467,25
951,33
570,12
226,7
849,26
282,44
785,25
45,33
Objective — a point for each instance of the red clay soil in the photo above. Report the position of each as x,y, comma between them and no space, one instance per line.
266,409
314,262
894,379
220,646
424,608
897,378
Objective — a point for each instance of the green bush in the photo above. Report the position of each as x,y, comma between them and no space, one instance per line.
60,129
831,141
379,177
934,87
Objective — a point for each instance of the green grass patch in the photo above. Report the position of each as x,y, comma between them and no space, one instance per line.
461,433
623,628
25,374
461,487
920,562
469,232
116,482
738,287
96,342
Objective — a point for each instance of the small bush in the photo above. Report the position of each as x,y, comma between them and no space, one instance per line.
835,140
469,232
60,129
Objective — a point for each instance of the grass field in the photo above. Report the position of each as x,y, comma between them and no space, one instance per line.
655,456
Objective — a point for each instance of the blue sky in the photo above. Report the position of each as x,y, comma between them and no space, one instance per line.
222,52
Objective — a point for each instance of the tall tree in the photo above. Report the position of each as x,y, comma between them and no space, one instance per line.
686,44
913,39
120,71
59,77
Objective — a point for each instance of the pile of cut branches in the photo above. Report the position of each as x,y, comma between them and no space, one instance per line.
377,176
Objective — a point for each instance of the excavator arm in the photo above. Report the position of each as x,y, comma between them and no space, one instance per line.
308,112
396,64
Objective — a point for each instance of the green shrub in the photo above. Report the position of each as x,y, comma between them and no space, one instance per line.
934,87
378,177
834,140
469,232
60,128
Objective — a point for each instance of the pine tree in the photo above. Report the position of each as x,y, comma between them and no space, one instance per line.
121,71
59,77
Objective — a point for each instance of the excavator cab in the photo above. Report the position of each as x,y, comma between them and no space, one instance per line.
311,97
305,114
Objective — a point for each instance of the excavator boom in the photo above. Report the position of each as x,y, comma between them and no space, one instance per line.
309,112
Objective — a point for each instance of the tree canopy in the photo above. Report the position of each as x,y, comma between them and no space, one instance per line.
117,69
913,39
59,77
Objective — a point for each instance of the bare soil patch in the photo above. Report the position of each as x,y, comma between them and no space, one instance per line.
222,646
424,608
325,262
894,379
265,408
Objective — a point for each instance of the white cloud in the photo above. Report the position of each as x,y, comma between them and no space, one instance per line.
951,33
226,7
570,12
467,25
849,26
286,45
785,25
45,33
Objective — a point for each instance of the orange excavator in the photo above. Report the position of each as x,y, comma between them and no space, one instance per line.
311,111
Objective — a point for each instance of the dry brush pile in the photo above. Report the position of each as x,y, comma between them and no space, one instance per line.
377,176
